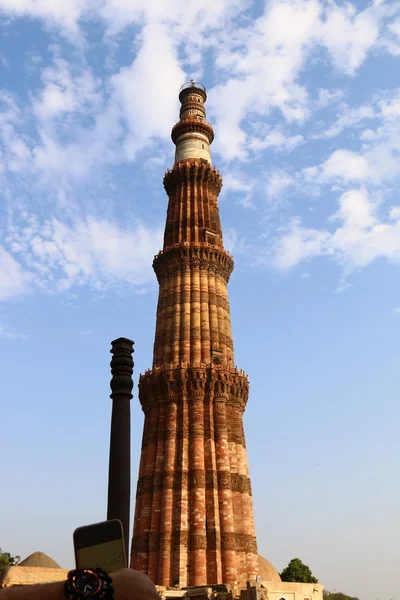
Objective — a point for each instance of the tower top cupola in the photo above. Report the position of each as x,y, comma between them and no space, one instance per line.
192,135
194,90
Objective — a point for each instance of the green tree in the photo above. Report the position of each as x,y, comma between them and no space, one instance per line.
299,572
6,560
337,596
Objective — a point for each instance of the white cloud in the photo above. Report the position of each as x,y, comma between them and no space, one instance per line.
230,239
267,61
96,252
236,182
356,210
394,213
344,164
76,123
15,153
390,106
277,183
231,140
186,16
348,35
13,279
396,311
376,161
64,15
326,97
65,92
395,27
64,133
264,58
360,238
275,139
86,150
8,333
348,117
78,126
241,184
147,90
391,42
298,244
343,286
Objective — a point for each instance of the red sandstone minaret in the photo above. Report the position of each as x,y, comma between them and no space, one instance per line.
194,522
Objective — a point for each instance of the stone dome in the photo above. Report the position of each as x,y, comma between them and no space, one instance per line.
39,559
268,571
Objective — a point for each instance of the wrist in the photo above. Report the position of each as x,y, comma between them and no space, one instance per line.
85,584
44,591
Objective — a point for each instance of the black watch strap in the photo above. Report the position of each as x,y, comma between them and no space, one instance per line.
85,584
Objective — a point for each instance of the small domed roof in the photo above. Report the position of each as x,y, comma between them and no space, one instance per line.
268,571
39,559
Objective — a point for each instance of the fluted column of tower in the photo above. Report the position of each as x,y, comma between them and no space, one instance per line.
194,522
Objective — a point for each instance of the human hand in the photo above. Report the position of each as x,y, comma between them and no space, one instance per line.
133,585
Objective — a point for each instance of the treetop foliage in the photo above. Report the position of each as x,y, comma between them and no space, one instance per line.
297,571
6,560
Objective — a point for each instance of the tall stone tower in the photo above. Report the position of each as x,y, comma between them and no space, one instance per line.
194,522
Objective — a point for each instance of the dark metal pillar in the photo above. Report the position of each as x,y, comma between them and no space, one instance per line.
119,474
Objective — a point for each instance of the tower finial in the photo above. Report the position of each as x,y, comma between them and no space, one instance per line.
192,135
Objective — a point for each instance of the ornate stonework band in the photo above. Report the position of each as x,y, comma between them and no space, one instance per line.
193,172
213,540
203,256
162,385
194,479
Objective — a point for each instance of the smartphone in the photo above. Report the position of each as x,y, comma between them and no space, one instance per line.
100,545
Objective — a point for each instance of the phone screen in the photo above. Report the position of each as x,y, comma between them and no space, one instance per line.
100,545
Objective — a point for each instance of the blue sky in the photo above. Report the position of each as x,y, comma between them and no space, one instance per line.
304,97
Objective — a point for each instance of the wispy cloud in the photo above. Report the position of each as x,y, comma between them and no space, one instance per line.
278,182
80,123
343,286
360,238
368,229
14,280
8,333
55,256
